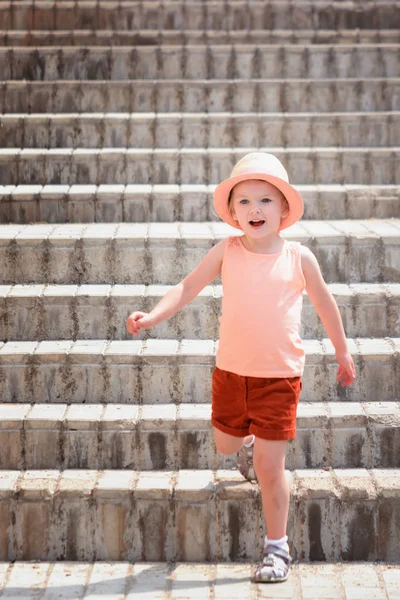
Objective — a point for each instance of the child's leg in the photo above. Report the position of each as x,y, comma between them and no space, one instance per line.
225,443
269,464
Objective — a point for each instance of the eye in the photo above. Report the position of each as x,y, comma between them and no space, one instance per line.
244,200
266,200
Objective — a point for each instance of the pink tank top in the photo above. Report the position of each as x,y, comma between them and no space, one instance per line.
259,333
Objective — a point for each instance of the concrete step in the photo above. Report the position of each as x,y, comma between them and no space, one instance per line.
290,95
191,515
65,312
172,437
120,37
164,371
281,14
168,203
216,581
201,62
348,251
200,130
306,165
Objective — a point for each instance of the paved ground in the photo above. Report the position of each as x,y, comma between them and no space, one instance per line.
158,581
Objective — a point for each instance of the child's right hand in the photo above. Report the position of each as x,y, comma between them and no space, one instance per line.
138,320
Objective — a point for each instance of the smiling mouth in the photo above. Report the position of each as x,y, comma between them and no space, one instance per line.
256,224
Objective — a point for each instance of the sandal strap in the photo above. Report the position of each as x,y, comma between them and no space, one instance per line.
270,558
271,568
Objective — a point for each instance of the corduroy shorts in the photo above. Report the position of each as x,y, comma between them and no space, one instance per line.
265,407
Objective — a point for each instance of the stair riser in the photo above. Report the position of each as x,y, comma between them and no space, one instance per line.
116,521
143,448
88,37
204,96
168,261
200,62
309,166
151,205
196,15
219,131
103,317
165,379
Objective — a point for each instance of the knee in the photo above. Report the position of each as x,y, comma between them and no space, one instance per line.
227,448
225,443
223,450
268,470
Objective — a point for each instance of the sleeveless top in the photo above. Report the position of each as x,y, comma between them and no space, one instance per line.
259,333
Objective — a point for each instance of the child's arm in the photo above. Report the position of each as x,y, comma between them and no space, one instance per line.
328,312
182,293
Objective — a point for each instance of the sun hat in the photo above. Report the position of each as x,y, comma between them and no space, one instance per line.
259,165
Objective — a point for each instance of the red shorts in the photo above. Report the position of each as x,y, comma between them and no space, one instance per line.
264,406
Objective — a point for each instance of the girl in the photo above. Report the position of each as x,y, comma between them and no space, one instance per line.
256,383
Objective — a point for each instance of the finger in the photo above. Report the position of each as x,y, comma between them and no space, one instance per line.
352,375
132,329
132,326
344,369
340,374
345,377
351,372
348,380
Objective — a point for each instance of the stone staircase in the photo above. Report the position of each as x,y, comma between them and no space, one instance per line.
117,120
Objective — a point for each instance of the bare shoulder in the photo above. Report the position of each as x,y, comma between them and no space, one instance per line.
307,257
208,269
219,247
309,263
221,244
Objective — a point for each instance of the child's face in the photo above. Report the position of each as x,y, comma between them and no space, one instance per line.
258,200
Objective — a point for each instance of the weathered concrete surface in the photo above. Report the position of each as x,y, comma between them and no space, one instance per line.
109,203
216,95
170,436
181,130
193,515
194,15
307,165
259,61
146,37
164,371
187,581
164,253
64,312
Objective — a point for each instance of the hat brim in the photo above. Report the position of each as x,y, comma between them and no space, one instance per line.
222,191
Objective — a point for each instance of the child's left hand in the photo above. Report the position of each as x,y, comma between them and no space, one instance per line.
346,372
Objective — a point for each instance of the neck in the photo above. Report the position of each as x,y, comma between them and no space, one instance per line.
269,244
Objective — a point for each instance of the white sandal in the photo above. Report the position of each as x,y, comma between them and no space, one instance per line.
274,567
